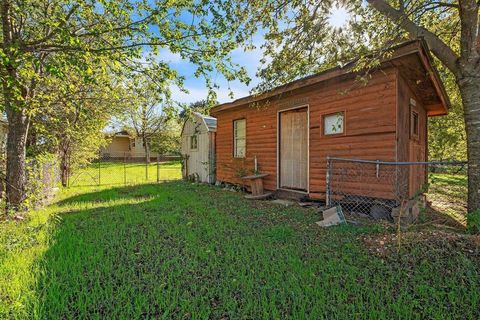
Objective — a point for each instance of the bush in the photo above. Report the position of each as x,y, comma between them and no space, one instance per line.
473,222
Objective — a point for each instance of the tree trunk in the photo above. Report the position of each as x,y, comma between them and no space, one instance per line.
16,159
470,92
147,150
64,167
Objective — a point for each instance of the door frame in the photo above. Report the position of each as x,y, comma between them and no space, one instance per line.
307,106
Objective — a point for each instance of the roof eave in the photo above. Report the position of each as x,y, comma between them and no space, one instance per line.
427,60
417,46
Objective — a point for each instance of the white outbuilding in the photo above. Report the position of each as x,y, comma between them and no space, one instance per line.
198,148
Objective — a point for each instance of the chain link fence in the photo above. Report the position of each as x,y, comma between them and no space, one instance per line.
376,188
126,168
42,179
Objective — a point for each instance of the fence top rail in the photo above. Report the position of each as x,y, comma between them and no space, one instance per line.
398,162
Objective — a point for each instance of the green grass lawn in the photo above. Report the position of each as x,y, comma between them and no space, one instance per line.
181,250
448,194
120,173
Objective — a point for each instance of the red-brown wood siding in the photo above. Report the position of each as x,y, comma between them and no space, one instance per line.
369,125
409,148
370,128
261,142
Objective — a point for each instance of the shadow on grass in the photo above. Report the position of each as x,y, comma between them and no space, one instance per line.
448,196
179,250
95,267
441,217
108,194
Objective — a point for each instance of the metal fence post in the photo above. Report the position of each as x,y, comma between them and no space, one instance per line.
99,168
329,183
158,168
146,167
125,168
68,172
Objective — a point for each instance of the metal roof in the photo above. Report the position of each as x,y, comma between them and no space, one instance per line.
210,122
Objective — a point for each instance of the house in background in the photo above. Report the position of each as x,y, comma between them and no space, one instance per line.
291,129
123,145
198,147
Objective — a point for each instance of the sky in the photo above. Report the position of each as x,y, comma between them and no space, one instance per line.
250,60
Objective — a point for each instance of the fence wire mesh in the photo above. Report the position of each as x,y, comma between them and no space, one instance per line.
126,168
42,178
375,188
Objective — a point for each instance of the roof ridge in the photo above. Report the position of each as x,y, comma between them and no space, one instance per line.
418,45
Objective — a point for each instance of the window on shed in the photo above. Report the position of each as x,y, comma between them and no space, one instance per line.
239,134
333,123
193,142
414,130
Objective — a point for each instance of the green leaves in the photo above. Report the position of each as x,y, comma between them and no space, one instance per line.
72,65
300,42
59,35
473,222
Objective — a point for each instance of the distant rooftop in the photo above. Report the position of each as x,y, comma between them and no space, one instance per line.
209,121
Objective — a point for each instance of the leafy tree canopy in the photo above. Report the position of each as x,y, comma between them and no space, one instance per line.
42,40
201,106
300,41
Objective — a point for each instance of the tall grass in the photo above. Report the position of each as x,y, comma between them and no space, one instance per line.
181,250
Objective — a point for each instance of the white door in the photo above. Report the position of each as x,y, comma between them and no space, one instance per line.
294,149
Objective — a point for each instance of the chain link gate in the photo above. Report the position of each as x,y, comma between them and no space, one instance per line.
126,168
363,186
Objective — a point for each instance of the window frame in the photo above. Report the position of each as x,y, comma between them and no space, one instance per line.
344,127
196,142
414,124
234,145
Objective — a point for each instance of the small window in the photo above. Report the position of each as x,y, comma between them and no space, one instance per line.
193,142
333,123
414,125
133,143
239,133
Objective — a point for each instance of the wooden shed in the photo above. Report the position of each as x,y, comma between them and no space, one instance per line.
291,129
198,147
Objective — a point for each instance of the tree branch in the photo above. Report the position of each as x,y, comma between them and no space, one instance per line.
438,47
438,4
50,34
57,47
469,31
130,26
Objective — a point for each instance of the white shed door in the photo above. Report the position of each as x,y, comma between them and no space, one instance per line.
294,149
